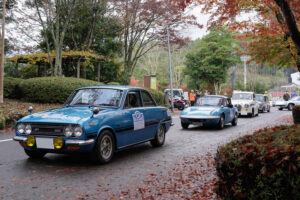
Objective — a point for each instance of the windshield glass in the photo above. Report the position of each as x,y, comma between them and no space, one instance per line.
208,101
242,96
96,97
260,97
175,93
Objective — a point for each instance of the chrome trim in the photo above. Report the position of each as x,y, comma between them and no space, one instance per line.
20,139
199,117
79,142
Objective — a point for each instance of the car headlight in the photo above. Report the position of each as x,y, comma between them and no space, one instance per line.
68,131
27,129
246,105
78,131
21,128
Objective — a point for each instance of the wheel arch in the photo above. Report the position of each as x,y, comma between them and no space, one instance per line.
109,129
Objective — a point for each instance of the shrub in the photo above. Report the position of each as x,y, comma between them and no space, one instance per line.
11,88
52,89
296,114
159,97
2,122
261,166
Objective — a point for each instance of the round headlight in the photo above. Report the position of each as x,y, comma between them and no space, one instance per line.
58,143
246,105
27,129
68,131
30,141
21,128
78,131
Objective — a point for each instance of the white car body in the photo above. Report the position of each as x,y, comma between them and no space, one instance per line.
282,104
247,106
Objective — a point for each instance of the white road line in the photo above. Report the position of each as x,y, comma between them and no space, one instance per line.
6,140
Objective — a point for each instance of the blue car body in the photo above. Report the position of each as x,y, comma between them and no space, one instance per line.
210,114
118,120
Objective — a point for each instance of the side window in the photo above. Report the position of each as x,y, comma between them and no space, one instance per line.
228,102
224,102
147,99
133,100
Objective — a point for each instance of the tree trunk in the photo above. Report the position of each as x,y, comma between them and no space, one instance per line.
99,71
291,25
78,68
2,53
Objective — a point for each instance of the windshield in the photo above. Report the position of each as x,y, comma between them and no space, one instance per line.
96,97
208,101
242,96
260,97
175,93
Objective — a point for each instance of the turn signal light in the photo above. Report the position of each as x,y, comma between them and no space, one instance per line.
30,141
58,143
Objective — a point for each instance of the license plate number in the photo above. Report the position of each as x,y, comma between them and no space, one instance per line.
44,143
198,123
244,113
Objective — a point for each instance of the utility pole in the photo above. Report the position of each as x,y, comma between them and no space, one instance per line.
245,59
170,70
2,52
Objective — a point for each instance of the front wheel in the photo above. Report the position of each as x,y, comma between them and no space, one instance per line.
184,125
181,106
280,108
290,106
160,136
104,148
35,154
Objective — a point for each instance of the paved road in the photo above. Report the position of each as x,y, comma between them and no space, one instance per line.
74,176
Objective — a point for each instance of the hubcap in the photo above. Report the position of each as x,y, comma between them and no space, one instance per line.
222,121
106,147
160,134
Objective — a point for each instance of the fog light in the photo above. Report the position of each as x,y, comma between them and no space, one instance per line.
58,143
30,141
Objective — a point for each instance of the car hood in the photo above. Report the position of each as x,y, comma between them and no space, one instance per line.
69,115
200,110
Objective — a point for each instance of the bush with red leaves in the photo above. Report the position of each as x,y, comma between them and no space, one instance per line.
264,165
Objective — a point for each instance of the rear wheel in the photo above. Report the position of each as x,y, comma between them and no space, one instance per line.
221,122
184,125
160,137
280,108
35,154
104,149
235,120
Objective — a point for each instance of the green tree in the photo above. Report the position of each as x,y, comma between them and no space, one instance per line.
210,58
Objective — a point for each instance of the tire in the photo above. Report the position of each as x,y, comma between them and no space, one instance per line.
35,154
159,137
104,148
184,125
280,108
181,107
252,114
269,109
221,122
290,107
235,120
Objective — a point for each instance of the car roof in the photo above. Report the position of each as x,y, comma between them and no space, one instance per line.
120,87
237,91
217,96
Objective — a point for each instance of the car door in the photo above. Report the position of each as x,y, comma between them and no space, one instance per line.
152,114
132,125
226,109
297,101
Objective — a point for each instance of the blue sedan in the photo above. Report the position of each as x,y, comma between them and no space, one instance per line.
210,110
99,120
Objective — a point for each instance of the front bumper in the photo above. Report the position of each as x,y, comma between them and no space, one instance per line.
198,117
70,145
199,120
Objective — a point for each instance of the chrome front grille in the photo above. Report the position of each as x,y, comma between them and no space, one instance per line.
47,129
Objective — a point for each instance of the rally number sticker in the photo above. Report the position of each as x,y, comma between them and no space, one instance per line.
138,120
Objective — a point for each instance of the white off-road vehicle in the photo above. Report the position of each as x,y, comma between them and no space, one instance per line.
245,102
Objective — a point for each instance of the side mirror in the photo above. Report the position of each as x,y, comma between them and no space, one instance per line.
30,110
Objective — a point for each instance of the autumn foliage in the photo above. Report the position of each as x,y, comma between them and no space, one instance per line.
264,165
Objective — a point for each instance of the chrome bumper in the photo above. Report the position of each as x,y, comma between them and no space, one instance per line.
79,142
198,117
67,142
20,139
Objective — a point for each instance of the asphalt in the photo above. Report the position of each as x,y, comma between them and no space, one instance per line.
75,177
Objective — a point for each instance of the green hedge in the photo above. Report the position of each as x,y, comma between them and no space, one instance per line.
261,166
11,88
52,89
159,97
